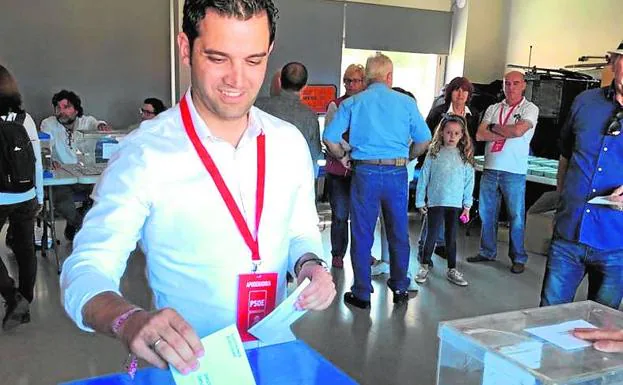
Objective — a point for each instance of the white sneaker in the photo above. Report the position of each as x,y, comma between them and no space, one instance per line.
413,286
380,268
456,277
422,274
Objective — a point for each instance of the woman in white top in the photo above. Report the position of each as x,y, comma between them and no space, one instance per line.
20,209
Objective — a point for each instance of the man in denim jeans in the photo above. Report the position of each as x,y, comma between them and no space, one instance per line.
588,238
382,124
507,127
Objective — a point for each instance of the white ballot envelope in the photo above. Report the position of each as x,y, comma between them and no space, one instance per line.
605,201
275,327
560,334
224,363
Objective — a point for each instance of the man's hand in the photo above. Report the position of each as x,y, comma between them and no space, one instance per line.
320,292
604,340
104,127
346,161
178,343
56,165
617,198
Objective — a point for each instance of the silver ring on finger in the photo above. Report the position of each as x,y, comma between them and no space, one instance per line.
154,345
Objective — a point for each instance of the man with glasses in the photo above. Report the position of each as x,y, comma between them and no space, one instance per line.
150,109
588,238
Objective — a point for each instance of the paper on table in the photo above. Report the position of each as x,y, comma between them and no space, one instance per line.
275,327
224,363
603,200
560,334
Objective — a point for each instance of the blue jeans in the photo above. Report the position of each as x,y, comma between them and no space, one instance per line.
339,199
493,185
373,188
567,264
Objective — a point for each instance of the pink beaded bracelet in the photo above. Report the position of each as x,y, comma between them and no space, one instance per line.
131,363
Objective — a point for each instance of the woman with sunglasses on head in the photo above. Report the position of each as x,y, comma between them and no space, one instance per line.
444,192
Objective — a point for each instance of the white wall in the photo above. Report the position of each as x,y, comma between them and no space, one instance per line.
486,41
456,59
560,31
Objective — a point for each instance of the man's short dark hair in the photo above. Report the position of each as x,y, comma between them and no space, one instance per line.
195,11
156,103
293,76
71,98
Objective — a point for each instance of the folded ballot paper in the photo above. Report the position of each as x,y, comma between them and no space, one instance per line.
224,363
605,201
275,327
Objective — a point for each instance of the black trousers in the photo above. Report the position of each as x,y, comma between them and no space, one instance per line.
22,218
450,217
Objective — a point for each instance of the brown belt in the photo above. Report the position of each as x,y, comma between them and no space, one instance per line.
384,162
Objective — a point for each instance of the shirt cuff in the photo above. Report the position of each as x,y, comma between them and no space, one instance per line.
79,291
304,245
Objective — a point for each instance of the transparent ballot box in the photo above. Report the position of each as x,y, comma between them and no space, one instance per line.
497,350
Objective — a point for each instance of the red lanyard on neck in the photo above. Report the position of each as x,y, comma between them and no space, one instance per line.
206,159
508,115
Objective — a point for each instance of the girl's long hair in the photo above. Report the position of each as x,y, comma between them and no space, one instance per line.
465,146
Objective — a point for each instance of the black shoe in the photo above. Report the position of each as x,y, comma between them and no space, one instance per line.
15,312
351,299
441,252
517,268
479,258
401,298
26,318
70,232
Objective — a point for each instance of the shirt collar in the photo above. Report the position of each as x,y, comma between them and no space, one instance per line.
451,110
254,127
505,103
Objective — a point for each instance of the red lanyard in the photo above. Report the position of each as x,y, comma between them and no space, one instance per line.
510,112
250,240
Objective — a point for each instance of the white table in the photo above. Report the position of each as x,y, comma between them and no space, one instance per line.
529,177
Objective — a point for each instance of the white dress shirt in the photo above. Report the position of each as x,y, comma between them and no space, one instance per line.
37,191
156,190
62,150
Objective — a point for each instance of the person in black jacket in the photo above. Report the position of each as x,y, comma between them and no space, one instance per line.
458,94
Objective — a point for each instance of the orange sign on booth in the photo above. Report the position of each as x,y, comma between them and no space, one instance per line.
318,96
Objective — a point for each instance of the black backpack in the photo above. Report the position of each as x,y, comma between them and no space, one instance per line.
17,157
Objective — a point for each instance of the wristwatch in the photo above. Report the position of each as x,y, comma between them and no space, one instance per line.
318,261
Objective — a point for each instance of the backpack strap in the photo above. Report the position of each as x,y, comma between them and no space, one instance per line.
20,118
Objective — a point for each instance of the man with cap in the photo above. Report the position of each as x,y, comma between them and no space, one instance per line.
588,238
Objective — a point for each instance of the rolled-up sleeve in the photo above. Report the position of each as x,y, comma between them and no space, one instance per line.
419,129
109,233
303,231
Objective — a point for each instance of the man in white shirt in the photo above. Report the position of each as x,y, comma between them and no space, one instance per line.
69,146
508,128
204,227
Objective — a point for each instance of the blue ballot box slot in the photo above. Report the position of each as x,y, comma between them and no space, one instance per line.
284,364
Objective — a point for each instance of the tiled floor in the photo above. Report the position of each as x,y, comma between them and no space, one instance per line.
379,346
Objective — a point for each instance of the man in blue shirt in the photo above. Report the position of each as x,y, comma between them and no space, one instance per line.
588,238
383,124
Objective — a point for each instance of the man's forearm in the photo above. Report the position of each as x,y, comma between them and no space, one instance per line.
417,149
100,312
335,149
563,165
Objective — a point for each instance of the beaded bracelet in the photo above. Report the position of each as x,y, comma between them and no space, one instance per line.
131,363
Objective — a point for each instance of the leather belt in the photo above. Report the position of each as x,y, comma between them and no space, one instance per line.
384,162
